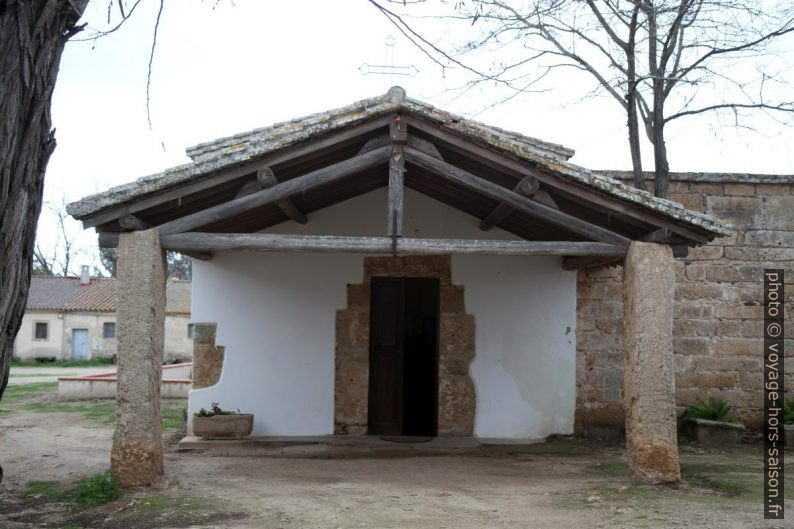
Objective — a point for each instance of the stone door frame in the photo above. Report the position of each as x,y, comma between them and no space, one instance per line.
456,347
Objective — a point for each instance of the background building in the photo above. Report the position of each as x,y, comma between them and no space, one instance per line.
74,318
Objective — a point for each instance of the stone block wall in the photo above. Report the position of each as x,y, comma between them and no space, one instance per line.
718,331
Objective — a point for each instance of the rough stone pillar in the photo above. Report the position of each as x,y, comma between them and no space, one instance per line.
649,385
137,454
207,357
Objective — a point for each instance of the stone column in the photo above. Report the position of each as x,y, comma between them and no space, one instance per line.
137,454
649,385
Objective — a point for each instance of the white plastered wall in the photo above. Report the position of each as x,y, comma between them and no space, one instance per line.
276,317
26,346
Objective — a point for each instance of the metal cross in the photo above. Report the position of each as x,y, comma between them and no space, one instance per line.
388,68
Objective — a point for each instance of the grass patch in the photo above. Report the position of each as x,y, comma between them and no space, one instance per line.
48,489
724,486
14,394
104,411
100,411
174,414
96,490
94,362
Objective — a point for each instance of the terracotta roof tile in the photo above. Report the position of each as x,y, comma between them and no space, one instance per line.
66,294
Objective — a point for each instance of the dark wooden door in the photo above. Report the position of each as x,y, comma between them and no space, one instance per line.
403,377
386,356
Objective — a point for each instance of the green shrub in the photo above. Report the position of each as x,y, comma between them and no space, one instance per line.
214,410
713,409
788,411
99,488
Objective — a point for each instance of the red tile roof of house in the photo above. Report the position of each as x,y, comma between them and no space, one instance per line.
66,294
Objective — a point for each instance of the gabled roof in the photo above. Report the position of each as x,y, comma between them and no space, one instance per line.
67,294
235,158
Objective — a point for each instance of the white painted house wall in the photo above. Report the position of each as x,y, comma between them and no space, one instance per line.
276,317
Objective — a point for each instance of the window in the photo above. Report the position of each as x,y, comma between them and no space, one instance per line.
109,329
190,330
40,331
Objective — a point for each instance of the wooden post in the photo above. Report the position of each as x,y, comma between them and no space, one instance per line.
398,133
137,453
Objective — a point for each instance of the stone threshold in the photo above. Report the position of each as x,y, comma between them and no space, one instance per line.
348,446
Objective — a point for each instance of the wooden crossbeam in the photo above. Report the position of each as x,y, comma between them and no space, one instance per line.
278,192
211,242
416,142
527,187
513,199
267,180
580,263
229,175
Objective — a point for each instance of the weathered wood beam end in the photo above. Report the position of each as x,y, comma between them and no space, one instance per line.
374,143
267,179
133,223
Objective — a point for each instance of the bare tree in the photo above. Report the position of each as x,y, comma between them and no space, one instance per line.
661,60
59,257
33,34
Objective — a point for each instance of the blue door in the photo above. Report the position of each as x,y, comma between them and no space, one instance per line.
79,344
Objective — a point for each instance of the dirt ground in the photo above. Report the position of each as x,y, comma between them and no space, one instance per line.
560,484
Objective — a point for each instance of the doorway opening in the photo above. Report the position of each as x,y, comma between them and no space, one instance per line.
403,361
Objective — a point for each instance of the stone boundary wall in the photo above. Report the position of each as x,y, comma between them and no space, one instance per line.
718,331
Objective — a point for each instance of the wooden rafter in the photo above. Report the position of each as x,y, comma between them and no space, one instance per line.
267,179
210,242
279,191
527,187
519,169
555,217
237,173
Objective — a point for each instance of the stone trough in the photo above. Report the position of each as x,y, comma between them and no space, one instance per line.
175,384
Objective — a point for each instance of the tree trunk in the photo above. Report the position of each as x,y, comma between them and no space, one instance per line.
631,101
634,136
662,168
33,34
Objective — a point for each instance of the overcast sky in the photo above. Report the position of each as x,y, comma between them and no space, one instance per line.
247,64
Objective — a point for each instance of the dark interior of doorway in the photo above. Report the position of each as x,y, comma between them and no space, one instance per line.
403,384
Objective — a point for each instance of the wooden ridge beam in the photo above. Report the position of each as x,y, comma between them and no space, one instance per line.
211,242
278,192
267,179
557,218
225,176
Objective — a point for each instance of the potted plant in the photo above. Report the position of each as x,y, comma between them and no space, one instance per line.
222,423
788,423
711,424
